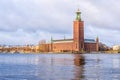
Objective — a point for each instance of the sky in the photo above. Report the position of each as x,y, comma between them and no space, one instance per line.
30,21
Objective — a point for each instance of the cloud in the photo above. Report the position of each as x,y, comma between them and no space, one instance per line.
29,21
102,19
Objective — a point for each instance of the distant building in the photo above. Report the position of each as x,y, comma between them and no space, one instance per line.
116,47
103,47
77,43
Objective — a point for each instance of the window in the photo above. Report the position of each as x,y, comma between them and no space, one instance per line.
76,45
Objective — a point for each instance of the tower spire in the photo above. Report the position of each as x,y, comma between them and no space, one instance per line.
64,37
78,16
51,39
97,43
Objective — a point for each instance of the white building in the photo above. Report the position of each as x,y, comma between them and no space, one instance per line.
116,47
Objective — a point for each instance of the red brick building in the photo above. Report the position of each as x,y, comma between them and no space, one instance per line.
78,43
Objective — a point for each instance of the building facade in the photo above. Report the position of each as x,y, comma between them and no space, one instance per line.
77,43
116,47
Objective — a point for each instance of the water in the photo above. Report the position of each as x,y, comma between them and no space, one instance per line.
59,67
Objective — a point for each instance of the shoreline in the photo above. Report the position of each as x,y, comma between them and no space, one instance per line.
100,52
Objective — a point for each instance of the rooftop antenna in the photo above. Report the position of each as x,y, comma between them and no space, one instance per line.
78,4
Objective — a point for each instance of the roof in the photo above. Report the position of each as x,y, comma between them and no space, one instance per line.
89,41
71,40
62,40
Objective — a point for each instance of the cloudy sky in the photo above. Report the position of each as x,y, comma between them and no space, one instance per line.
29,21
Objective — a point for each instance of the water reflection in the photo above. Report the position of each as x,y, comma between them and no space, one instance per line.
79,62
59,67
41,67
116,63
102,67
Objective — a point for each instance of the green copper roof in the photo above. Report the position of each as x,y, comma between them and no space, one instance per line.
78,16
63,40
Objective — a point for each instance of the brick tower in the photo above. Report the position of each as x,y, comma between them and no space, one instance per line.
78,32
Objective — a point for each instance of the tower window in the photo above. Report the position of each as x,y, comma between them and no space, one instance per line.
76,45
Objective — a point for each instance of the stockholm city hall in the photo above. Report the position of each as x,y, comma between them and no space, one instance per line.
77,43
